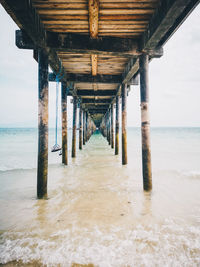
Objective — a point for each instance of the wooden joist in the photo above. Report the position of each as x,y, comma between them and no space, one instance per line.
93,8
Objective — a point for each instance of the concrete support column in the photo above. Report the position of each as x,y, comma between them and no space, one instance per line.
145,122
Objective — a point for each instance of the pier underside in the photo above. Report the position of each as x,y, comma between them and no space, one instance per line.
96,49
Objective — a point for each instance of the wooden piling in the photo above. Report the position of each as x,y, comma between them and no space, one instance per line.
86,126
42,164
109,134
80,128
117,126
74,127
124,124
64,124
145,123
84,133
112,126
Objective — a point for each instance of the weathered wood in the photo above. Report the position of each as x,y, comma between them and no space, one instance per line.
42,164
88,78
93,8
117,126
80,129
96,101
145,124
91,106
133,65
64,124
124,124
96,93
77,43
74,127
112,126
94,64
165,21
84,127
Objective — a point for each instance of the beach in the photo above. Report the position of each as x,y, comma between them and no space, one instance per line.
97,212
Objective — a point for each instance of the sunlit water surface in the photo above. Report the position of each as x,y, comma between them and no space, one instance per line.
97,212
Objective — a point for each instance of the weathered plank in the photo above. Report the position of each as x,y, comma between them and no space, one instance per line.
93,8
94,62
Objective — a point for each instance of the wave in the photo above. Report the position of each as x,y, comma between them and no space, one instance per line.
168,244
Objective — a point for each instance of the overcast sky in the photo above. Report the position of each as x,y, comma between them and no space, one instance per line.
174,81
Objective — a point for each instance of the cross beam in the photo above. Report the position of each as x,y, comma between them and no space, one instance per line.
88,78
96,93
77,43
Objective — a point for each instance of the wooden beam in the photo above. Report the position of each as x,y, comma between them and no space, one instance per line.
165,21
97,111
77,43
94,64
96,101
93,8
88,78
133,65
96,107
96,93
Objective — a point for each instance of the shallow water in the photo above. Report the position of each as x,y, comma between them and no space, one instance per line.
97,211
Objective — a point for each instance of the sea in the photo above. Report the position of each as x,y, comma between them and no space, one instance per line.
97,213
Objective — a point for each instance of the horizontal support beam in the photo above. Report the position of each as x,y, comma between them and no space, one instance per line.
94,107
165,21
96,93
77,43
93,101
133,64
97,111
88,78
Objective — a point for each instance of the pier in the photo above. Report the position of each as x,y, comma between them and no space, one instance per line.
97,50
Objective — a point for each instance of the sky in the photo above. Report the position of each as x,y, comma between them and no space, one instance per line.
174,81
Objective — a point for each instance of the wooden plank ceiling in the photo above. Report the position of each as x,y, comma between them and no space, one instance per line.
97,42
94,18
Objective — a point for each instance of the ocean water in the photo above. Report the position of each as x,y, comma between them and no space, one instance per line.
97,212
